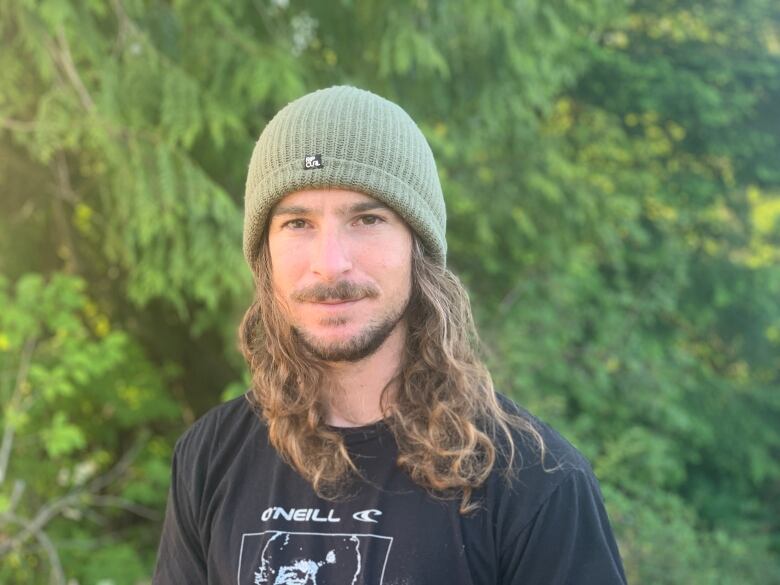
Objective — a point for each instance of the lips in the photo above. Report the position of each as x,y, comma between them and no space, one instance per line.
335,304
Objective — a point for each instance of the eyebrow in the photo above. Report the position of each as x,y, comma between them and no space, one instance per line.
290,210
344,210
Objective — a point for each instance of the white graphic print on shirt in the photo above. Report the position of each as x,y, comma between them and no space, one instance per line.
309,558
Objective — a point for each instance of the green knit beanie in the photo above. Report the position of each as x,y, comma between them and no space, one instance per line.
343,137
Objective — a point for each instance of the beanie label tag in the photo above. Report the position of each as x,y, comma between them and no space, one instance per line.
311,162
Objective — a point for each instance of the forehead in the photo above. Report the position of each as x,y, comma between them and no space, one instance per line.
321,200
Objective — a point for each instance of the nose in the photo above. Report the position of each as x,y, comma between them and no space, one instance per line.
331,258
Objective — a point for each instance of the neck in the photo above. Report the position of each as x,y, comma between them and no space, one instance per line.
356,389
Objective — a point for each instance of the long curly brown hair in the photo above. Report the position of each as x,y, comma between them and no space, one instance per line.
447,421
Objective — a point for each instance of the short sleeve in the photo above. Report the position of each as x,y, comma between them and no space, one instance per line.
180,556
568,541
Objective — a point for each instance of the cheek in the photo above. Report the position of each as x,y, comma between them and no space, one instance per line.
286,269
394,270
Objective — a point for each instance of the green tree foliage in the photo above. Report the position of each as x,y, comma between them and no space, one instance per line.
78,451
611,176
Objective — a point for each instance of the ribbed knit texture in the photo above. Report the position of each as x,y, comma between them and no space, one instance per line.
367,144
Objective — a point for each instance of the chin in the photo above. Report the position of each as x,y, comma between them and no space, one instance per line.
332,341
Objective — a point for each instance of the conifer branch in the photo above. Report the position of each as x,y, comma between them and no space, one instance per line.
124,504
18,125
60,52
21,378
65,193
124,24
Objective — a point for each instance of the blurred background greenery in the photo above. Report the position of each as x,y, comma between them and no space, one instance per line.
612,175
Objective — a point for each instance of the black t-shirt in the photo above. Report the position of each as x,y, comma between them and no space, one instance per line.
237,514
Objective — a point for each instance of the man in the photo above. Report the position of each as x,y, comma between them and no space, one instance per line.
371,447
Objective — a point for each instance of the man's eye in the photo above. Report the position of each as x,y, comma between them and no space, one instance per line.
370,219
295,224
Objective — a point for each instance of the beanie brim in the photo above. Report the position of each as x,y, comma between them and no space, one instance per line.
341,174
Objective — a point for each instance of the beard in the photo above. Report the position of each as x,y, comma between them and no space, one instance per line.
359,346
355,349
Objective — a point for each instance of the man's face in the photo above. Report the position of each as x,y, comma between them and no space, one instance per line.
341,267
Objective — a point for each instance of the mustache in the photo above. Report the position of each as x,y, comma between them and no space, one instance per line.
341,291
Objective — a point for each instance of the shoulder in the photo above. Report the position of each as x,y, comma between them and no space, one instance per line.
538,445
542,463
548,512
221,428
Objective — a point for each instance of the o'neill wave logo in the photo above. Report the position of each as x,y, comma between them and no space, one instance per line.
367,515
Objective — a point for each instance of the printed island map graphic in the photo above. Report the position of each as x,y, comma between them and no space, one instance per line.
312,558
